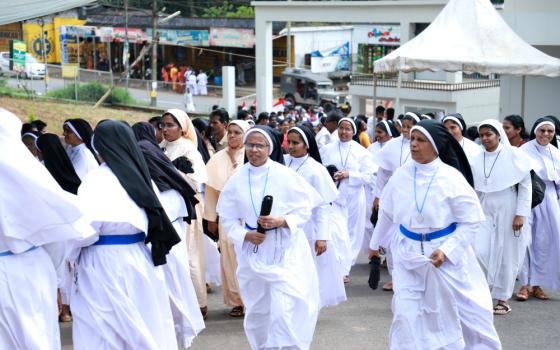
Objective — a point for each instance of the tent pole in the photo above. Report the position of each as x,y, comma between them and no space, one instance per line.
374,91
523,97
398,99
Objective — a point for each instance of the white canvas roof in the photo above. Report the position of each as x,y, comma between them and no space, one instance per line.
21,10
469,36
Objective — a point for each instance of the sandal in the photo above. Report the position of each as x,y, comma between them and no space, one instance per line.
237,311
523,294
204,312
539,293
388,287
346,279
502,308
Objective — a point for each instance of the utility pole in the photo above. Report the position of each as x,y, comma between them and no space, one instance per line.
153,93
44,52
289,44
126,49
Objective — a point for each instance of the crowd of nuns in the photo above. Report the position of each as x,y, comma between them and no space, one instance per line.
123,229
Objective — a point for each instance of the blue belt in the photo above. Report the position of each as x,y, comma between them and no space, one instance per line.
8,253
121,239
423,237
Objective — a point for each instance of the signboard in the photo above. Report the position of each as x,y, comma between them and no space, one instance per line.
19,50
332,60
108,34
231,37
69,38
389,35
9,32
181,37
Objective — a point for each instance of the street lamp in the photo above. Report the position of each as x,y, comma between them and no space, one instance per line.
155,38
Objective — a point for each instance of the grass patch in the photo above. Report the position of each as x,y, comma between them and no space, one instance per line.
92,92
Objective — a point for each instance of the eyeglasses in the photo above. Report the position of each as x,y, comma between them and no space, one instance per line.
257,146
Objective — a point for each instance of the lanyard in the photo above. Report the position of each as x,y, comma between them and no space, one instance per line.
263,192
419,210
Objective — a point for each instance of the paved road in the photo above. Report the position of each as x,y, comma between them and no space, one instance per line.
363,322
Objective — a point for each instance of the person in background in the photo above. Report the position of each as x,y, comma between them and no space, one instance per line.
472,134
219,120
514,127
272,120
29,140
541,268
157,123
263,118
329,133
361,124
77,133
373,120
189,101
389,113
220,168
174,75
40,125
244,115
202,82
191,83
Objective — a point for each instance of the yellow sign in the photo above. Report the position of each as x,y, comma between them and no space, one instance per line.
33,36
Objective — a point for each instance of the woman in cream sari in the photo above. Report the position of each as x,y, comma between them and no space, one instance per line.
180,145
220,168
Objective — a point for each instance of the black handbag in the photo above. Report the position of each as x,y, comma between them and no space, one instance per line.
538,186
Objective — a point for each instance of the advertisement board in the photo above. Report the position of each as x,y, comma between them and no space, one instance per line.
389,35
231,37
18,52
181,37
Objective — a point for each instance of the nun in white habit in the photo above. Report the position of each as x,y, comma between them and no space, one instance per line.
503,183
276,272
77,134
441,298
305,160
28,280
394,154
355,170
542,264
178,200
120,300
456,125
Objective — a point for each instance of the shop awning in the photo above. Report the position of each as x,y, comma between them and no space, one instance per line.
21,10
469,36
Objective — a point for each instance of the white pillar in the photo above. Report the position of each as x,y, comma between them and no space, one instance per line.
263,58
454,77
228,90
358,104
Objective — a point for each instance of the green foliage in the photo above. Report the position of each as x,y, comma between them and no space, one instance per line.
92,92
229,10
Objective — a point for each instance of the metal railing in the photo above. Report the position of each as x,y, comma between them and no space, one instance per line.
367,80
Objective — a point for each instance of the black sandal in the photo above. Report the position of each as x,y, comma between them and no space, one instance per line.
237,311
502,308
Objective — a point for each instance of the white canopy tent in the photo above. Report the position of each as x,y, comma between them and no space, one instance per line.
20,10
469,36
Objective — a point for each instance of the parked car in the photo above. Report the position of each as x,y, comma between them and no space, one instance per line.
302,87
33,68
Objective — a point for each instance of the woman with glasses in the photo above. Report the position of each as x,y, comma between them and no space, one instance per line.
276,273
180,146
354,171
542,262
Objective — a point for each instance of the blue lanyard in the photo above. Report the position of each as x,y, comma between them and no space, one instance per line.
419,210
343,165
263,192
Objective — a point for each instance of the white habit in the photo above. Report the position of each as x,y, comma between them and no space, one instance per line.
330,263
354,158
119,300
504,191
542,267
435,308
278,283
82,160
36,214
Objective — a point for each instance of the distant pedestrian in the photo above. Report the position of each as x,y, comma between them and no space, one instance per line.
202,82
